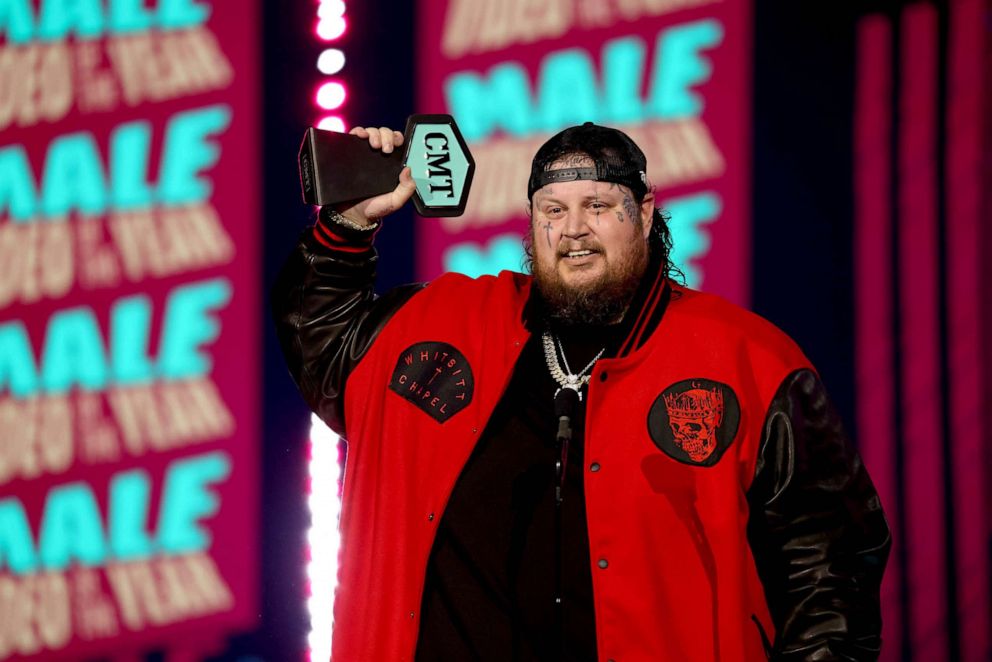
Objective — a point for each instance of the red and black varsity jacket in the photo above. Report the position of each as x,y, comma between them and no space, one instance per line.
728,517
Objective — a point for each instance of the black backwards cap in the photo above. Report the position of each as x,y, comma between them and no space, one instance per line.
616,158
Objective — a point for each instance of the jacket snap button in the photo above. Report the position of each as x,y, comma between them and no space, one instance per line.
603,563
602,376
430,518
594,467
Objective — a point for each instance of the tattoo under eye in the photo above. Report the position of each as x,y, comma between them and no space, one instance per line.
620,216
630,207
547,232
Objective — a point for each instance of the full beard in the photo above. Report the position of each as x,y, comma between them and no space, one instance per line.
600,302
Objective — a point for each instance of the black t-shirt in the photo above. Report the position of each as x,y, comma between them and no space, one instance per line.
490,585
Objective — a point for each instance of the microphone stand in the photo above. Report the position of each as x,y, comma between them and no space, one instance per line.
566,403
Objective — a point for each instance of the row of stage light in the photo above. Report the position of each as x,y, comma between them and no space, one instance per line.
325,462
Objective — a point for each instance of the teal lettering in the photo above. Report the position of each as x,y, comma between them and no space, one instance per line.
73,178
16,20
437,168
17,369
502,252
73,353
623,67
680,66
480,106
130,320
129,16
175,14
129,148
689,238
17,192
440,137
437,165
129,498
58,18
87,19
189,324
186,498
71,528
567,90
16,545
188,151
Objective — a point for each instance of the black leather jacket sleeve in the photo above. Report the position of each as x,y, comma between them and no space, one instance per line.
816,529
327,316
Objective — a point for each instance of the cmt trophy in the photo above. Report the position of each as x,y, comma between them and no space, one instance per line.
338,167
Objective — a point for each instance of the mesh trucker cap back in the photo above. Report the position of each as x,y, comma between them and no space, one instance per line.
616,158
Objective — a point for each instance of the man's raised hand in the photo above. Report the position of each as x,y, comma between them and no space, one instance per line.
368,211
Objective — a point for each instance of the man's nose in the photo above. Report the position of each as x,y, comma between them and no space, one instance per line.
575,224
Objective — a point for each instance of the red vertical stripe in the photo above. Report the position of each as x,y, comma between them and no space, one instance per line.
964,161
873,308
920,341
985,286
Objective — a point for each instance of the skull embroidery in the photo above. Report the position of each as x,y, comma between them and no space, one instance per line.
694,416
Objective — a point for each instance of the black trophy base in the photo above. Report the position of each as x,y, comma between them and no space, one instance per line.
339,167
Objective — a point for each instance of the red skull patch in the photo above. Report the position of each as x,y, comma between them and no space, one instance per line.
694,421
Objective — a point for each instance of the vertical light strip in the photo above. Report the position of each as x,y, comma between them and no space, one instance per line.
963,181
920,339
875,381
324,537
330,95
325,461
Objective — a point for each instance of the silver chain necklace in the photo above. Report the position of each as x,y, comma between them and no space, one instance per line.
565,378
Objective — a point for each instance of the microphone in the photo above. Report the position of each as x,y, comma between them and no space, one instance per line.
566,403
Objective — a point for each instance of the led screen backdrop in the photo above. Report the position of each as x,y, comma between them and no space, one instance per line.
674,74
128,316
921,221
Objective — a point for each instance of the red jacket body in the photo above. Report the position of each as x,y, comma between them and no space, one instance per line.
679,581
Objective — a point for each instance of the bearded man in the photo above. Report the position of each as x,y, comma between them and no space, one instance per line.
594,462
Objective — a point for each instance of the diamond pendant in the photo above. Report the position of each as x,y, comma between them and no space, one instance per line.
573,381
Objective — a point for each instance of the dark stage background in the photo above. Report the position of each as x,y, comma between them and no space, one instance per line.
863,212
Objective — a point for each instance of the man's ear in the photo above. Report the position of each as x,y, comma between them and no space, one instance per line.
647,213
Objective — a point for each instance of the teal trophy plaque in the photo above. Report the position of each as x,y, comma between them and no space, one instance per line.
336,168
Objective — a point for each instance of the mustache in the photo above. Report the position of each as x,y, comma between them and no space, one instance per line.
566,248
